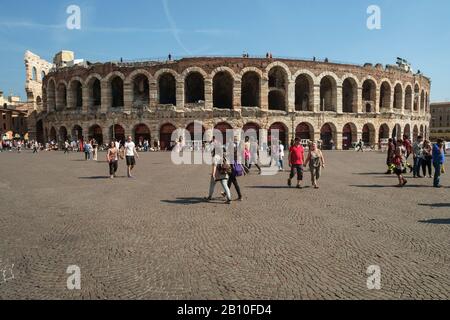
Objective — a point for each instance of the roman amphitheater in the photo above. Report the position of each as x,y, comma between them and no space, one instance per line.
337,103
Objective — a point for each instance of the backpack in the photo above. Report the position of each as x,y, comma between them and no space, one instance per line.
225,167
238,169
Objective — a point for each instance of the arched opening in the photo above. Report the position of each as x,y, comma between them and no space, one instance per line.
42,75
278,86
369,95
223,90
398,96
304,88
349,136
117,92
194,88
349,96
141,133
223,127
408,98
62,134
416,97
196,137
39,102
34,74
328,135
384,132
61,97
328,94
165,136
304,131
422,132
368,134
397,132
251,130
96,132
407,132
422,101
385,96
282,133
415,133
251,90
95,94
427,102
40,131
53,137
167,89
77,94
117,132
141,91
51,96
77,133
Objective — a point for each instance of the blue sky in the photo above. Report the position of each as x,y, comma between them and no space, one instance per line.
417,30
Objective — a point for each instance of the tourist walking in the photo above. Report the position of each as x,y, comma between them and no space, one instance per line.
316,163
66,147
438,162
390,156
87,151
360,146
417,153
237,170
398,162
95,149
409,150
130,154
296,160
427,158
281,157
35,147
221,170
112,157
254,155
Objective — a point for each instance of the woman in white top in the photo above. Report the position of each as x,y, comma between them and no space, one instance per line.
281,155
219,174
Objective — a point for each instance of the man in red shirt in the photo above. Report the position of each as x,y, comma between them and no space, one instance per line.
296,161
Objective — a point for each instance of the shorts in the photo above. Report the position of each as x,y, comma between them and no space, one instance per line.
131,161
398,171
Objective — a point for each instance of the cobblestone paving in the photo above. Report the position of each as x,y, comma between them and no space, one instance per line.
153,237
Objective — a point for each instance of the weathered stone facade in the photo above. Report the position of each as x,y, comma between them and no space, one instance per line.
309,99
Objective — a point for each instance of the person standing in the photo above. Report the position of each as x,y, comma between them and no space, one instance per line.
35,147
438,162
398,163
409,150
87,151
316,162
254,155
281,157
95,149
220,173
112,157
427,158
296,160
237,170
131,155
390,156
66,147
418,154
360,146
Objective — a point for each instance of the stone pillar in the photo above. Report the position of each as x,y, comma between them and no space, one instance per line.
264,94
402,102
359,101
106,97
153,94
316,98
127,96
291,97
237,91
377,101
339,99
180,92
338,141
208,94
86,100
391,102
316,135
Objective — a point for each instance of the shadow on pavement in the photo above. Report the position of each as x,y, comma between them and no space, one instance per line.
97,178
435,205
186,201
278,187
436,221
390,186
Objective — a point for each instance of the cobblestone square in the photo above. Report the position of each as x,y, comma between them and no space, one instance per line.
154,238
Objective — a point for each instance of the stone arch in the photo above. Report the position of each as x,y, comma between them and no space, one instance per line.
305,131
116,85
61,95
53,135
51,95
96,132
261,75
223,85
416,96
223,127
250,129
165,136
368,134
94,87
167,88
63,136
349,135
384,132
117,132
224,69
369,95
195,137
385,95
77,133
251,89
328,135
194,85
76,92
140,83
278,88
398,96
283,132
281,65
350,95
407,131
304,92
408,97
141,132
328,92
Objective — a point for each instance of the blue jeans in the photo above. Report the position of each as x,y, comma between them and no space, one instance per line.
417,166
437,173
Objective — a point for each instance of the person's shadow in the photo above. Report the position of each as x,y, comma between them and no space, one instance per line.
436,221
186,201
